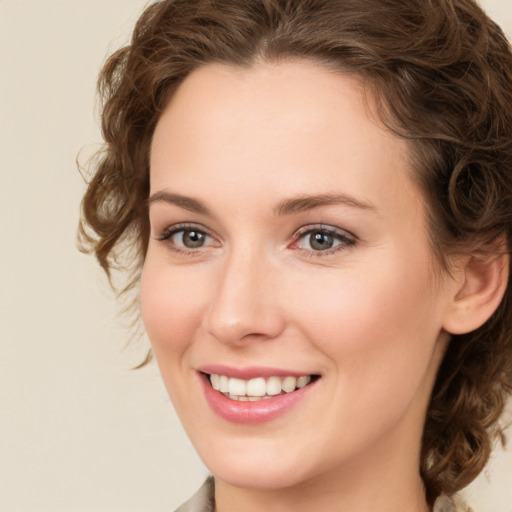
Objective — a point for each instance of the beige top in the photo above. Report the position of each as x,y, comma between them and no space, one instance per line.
203,501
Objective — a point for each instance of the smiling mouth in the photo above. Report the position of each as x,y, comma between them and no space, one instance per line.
259,388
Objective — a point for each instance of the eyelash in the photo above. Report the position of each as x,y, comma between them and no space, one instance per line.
346,240
169,232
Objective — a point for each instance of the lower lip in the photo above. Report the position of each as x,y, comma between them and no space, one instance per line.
251,413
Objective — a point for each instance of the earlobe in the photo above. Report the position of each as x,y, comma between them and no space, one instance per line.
479,292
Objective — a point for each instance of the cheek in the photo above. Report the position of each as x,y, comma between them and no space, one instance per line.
171,305
379,320
379,333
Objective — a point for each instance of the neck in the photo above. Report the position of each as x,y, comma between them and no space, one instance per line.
347,489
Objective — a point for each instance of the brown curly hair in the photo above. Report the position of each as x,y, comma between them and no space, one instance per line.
441,72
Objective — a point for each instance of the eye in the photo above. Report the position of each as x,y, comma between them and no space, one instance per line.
186,238
189,238
323,239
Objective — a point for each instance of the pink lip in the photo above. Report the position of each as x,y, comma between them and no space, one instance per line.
250,372
252,413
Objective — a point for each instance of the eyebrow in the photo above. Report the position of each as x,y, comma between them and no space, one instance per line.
187,203
287,207
308,202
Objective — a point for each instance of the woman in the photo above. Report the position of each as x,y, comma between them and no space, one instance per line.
319,198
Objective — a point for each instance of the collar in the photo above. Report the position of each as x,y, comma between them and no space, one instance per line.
204,501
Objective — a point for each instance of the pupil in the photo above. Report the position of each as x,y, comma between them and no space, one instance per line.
193,239
321,241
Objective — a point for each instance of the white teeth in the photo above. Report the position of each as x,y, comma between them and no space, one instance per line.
258,388
223,384
248,398
303,381
274,386
289,384
215,381
237,387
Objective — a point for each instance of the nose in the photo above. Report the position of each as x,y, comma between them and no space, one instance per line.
245,305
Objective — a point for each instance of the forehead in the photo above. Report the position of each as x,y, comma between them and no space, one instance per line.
285,127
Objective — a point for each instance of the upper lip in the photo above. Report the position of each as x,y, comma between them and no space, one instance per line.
250,372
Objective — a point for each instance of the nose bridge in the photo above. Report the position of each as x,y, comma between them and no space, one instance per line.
245,298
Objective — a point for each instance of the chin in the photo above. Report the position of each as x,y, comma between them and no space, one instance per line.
256,467
252,476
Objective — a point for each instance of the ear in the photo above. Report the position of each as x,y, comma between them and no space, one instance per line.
478,291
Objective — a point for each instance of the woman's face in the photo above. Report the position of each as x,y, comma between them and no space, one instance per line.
289,244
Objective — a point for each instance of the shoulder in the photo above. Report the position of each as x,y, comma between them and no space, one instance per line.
450,504
202,501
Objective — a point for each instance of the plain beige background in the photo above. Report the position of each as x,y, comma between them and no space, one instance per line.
80,431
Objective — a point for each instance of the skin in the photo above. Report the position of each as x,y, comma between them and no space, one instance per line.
367,316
